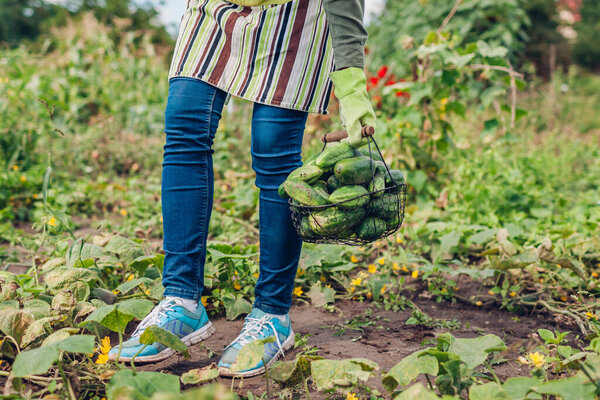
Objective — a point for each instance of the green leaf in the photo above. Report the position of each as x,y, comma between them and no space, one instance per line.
142,263
125,249
251,354
330,373
292,372
83,344
14,322
472,352
155,333
36,361
83,251
576,387
518,387
37,308
449,240
319,295
143,383
201,375
488,391
234,309
459,60
416,392
127,286
116,316
66,278
39,361
408,369
214,391
546,334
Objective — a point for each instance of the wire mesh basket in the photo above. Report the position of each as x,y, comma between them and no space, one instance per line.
356,221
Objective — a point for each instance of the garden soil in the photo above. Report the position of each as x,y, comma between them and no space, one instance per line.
386,339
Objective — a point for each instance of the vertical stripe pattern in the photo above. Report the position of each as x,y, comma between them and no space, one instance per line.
279,55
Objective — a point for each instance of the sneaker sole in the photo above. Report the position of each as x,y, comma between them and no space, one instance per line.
287,345
193,338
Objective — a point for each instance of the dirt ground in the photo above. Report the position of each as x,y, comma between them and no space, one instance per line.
386,339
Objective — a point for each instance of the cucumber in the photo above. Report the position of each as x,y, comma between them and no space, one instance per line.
333,184
311,160
354,171
386,206
394,174
304,230
282,192
303,193
363,151
103,294
345,194
308,173
392,223
334,153
335,220
377,185
371,228
321,188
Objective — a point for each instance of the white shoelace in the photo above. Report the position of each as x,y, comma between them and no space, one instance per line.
252,329
155,315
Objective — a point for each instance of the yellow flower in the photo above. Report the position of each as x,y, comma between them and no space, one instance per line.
404,268
255,274
444,101
322,278
23,178
328,285
372,268
147,292
354,259
381,261
478,303
512,294
300,272
35,196
398,239
444,290
558,266
490,293
395,266
356,282
415,274
541,280
537,359
105,345
369,295
130,277
351,396
298,291
237,286
563,297
52,221
15,167
594,274
591,315
115,291
408,125
204,300
123,212
363,249
102,359
382,289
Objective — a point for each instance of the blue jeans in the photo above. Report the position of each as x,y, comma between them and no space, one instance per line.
191,119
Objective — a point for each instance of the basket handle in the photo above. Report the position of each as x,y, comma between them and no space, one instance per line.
339,135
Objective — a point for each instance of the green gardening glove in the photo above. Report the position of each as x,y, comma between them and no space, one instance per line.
356,110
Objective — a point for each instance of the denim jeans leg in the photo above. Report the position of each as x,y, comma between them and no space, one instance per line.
191,120
276,146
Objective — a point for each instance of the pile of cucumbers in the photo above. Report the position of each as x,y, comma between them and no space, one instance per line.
357,196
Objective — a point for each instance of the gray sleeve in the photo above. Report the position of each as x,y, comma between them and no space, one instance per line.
347,30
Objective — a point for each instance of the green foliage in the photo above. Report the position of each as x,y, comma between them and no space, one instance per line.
586,49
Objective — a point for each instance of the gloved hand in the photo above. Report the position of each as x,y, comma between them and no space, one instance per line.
356,111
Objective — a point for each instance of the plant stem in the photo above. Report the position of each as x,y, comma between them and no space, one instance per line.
135,355
29,377
429,382
487,364
120,347
66,380
267,378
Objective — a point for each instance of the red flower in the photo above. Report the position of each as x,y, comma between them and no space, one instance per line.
374,80
382,71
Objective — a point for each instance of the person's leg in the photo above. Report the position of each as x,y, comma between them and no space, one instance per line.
276,145
191,119
276,151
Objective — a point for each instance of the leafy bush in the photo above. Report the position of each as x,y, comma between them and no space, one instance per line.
586,49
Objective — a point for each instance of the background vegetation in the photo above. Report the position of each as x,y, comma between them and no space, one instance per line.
491,113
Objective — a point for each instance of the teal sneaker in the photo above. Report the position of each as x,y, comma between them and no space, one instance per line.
258,325
190,327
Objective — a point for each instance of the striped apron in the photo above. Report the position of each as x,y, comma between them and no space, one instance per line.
279,55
